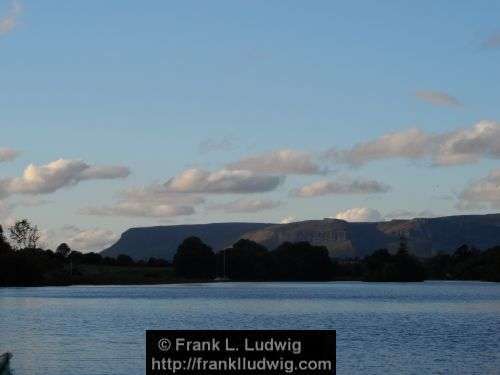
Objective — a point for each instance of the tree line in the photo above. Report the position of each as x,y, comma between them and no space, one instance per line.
25,263
249,261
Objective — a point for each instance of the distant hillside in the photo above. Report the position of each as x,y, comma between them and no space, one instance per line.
162,241
343,239
426,237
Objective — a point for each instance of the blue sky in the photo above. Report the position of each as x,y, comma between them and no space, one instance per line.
165,87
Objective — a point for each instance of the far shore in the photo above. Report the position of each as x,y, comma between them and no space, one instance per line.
205,281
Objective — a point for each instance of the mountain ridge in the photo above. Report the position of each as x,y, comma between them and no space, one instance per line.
425,236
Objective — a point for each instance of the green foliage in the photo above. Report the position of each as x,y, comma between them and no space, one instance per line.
194,260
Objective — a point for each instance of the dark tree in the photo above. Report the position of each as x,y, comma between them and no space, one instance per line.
246,260
194,260
303,261
382,266
24,234
63,250
157,262
124,260
91,258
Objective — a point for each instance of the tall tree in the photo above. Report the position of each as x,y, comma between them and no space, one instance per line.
24,234
194,259
63,250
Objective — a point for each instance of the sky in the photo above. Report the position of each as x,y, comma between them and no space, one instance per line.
120,114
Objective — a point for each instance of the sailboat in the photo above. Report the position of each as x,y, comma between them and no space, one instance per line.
224,277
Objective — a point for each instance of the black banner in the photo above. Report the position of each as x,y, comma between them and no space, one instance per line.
240,352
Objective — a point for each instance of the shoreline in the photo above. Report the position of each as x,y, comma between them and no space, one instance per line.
183,282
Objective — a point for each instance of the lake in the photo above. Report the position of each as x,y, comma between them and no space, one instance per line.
382,328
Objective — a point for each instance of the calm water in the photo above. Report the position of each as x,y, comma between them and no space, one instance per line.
432,327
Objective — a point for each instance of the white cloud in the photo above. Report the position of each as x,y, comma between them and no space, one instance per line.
8,154
320,188
288,220
222,181
281,162
438,98
92,239
481,193
152,201
9,21
85,240
463,146
246,205
359,214
48,178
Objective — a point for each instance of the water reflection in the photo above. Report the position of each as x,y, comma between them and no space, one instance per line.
434,327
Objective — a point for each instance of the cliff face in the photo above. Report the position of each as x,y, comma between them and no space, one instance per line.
425,236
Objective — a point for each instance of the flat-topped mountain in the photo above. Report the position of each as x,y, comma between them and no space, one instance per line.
426,236
162,241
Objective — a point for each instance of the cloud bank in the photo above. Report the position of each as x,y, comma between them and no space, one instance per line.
281,162
85,240
320,188
463,146
153,201
222,181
